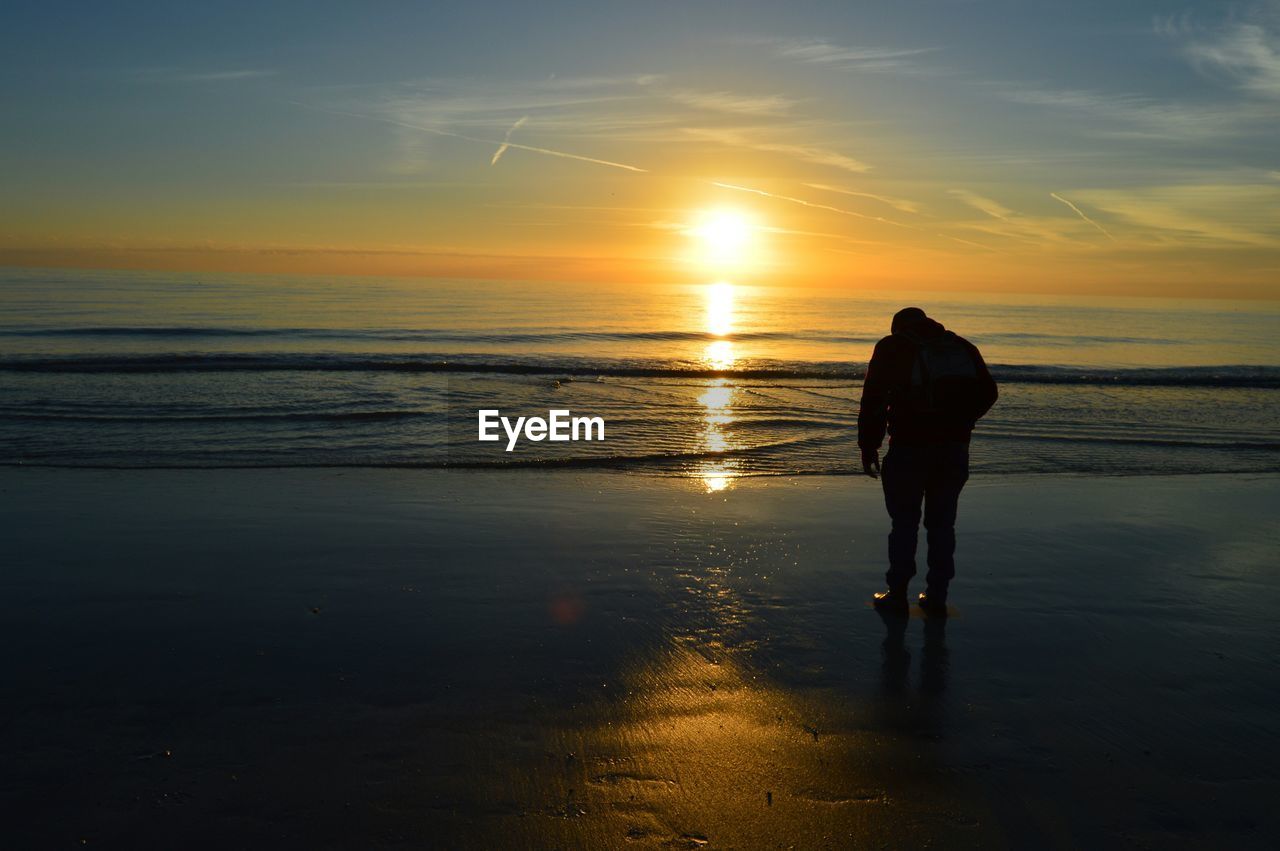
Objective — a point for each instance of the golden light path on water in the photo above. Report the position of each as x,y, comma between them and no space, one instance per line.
717,400
720,308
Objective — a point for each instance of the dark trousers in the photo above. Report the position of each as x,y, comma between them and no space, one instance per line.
933,474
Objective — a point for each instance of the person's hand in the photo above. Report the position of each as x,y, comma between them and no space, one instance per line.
871,462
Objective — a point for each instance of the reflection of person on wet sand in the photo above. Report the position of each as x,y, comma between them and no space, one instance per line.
895,666
918,712
927,387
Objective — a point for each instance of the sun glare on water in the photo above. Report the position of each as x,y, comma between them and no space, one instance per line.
723,242
720,308
717,471
719,353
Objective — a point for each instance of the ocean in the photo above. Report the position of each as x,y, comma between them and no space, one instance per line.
709,381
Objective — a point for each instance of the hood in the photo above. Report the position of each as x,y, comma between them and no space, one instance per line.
917,327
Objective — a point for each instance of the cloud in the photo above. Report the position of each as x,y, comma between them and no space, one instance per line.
1038,231
733,103
570,112
1246,51
505,143
967,242
804,152
803,203
635,113
531,148
1128,115
174,75
462,103
896,203
219,76
992,208
820,52
1216,215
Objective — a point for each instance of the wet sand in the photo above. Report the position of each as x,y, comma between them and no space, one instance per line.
393,659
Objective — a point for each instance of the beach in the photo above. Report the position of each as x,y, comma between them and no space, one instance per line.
397,658
452,426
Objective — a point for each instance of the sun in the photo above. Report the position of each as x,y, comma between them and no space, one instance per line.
724,237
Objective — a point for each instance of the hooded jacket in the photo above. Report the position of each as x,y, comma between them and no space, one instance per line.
886,389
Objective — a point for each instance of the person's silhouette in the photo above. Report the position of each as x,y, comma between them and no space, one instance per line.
926,387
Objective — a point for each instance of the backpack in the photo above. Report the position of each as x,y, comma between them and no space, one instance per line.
944,377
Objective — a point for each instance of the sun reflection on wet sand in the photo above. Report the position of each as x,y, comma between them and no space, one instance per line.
716,478
697,746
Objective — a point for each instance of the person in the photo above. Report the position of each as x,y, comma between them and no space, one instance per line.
927,387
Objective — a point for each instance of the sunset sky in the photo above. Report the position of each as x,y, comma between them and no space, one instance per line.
1082,147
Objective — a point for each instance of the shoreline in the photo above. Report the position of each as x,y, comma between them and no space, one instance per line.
591,466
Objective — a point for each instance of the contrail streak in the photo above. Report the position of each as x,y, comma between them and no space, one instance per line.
967,242
549,152
805,203
1081,214
895,203
506,140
